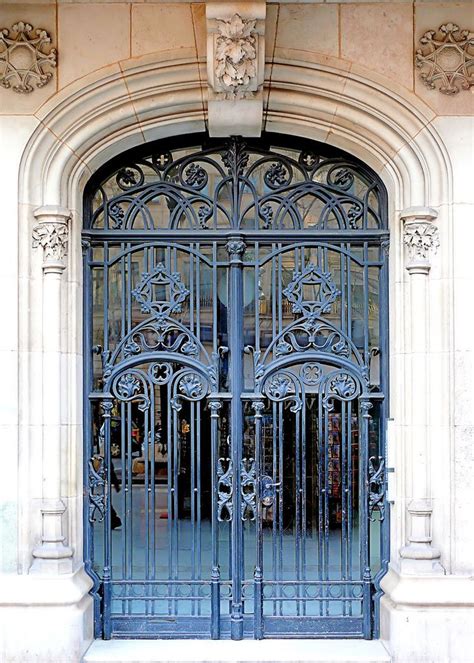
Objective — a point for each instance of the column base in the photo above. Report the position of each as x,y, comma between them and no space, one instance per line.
427,619
52,559
420,559
45,619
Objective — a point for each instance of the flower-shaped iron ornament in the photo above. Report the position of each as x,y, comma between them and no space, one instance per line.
447,59
26,57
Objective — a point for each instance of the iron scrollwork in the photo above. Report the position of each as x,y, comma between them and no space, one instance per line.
160,277
323,285
97,489
376,483
225,490
248,506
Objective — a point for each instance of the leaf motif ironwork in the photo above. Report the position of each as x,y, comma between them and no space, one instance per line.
130,177
190,386
377,485
281,386
342,178
341,386
129,387
97,489
277,175
235,157
117,214
248,505
204,214
195,176
225,490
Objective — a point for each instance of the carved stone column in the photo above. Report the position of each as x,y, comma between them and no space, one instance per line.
421,240
235,67
51,234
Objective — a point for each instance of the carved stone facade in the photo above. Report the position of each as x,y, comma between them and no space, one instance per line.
26,57
447,59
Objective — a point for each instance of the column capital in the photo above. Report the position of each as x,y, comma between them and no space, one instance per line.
421,237
51,232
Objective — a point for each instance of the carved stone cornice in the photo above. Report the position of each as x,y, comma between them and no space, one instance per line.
235,67
446,58
26,57
420,237
51,233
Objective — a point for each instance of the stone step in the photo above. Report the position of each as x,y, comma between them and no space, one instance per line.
244,651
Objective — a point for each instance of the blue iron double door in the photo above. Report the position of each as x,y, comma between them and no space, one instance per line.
235,378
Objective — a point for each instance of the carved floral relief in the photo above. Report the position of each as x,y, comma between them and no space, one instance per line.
236,54
53,238
421,239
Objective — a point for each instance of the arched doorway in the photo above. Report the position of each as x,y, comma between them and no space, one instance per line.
236,383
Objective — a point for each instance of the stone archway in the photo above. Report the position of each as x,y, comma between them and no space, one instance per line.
95,119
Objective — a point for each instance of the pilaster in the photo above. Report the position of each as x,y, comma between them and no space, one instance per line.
420,237
50,233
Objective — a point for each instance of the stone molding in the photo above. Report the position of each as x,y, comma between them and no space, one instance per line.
235,67
447,58
26,58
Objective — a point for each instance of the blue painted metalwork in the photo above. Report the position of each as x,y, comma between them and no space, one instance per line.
236,362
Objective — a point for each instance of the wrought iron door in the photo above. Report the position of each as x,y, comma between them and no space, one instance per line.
235,390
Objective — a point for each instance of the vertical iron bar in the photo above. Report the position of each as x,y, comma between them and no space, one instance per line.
107,574
235,248
258,407
365,406
214,405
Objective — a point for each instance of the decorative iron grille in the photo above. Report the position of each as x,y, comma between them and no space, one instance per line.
235,387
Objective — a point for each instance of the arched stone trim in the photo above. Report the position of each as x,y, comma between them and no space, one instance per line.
143,99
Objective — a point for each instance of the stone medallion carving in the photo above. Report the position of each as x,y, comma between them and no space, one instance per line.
446,59
235,56
26,57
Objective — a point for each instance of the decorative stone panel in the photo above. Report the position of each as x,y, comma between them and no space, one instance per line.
235,67
26,57
446,59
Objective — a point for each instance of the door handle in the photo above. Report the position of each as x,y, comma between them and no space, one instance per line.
267,490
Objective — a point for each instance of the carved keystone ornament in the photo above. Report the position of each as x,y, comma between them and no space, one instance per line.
235,57
235,67
447,59
26,57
